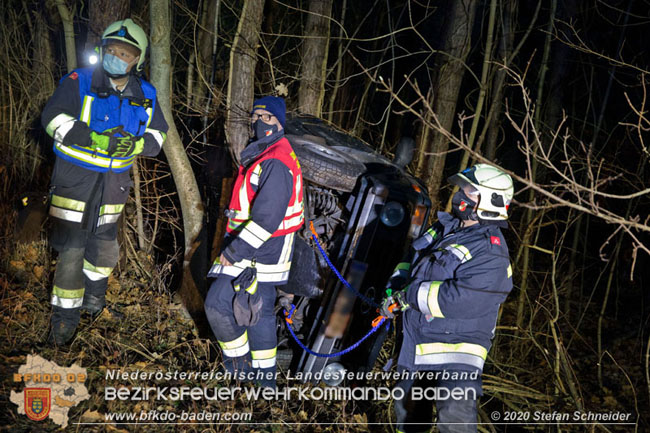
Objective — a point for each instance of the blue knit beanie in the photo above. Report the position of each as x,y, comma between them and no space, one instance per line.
272,104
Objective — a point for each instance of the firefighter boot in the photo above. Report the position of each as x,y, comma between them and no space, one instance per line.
93,304
63,325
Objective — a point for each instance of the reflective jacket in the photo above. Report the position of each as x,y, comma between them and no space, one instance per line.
265,211
102,109
88,188
456,282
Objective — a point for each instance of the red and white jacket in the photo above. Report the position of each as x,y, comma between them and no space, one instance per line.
265,211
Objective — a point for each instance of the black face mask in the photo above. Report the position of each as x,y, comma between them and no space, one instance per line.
262,129
463,207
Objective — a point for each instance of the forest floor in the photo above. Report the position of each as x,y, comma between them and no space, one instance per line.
155,335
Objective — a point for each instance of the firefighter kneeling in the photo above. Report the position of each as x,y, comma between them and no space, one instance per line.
458,275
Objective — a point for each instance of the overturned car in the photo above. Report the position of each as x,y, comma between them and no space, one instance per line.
363,210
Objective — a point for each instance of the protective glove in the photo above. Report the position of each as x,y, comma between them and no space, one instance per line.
128,146
106,140
247,302
398,298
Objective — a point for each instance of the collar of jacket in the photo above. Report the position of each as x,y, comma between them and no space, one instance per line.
101,85
257,147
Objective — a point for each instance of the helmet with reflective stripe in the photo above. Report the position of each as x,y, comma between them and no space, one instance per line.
128,32
495,187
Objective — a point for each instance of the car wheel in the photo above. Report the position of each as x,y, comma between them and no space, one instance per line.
324,165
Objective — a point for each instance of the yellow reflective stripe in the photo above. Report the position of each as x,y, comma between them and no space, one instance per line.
509,270
432,232
432,299
264,358
96,159
236,347
235,225
468,348
111,208
264,354
85,109
150,114
460,251
252,289
237,342
96,273
68,203
67,293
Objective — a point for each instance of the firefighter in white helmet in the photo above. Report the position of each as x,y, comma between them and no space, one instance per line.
100,118
457,276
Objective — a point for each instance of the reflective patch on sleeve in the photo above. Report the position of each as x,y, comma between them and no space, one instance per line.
509,270
460,251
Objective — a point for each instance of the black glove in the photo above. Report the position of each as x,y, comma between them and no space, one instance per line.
127,146
398,298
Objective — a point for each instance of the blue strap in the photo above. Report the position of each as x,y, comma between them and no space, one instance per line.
331,355
338,274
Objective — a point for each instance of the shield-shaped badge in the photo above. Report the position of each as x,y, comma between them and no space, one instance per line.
37,403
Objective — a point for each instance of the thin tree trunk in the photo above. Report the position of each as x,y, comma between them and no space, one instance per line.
481,94
102,13
506,56
68,29
458,37
314,58
528,215
339,65
241,77
188,191
138,205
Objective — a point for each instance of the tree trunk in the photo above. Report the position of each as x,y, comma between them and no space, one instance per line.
188,191
529,214
68,28
314,58
458,43
241,78
339,65
102,13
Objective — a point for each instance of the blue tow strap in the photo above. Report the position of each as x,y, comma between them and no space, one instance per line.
331,355
337,273
375,326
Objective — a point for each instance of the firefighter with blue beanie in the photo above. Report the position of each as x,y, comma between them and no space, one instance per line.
265,211
457,276
101,118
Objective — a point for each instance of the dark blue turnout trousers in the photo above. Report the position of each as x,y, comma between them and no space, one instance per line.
251,348
455,415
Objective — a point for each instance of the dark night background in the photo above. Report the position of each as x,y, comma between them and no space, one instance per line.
573,334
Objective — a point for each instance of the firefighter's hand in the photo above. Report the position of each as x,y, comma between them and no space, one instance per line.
400,298
128,146
102,141
224,261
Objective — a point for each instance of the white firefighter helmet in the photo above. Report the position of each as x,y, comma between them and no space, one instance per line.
495,188
128,32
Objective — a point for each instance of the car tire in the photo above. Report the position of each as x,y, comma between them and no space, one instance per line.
324,165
